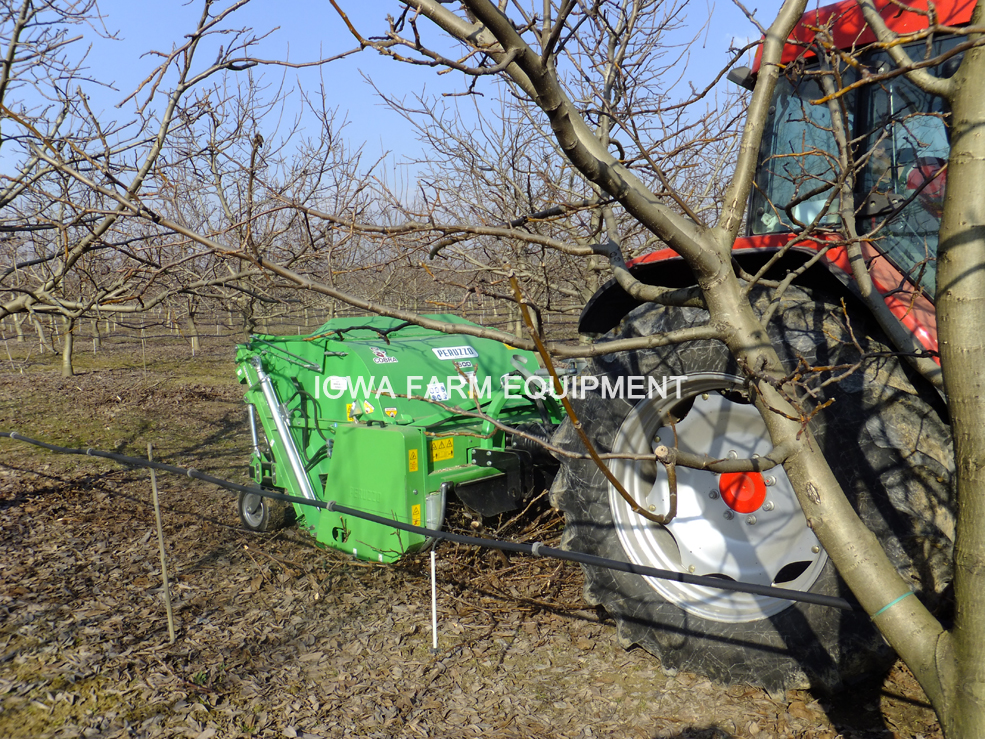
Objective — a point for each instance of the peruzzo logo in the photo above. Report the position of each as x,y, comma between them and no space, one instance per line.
455,352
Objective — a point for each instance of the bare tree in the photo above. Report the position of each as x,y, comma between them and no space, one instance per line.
600,166
79,250
747,314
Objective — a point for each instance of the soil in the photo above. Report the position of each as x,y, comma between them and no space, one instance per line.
279,638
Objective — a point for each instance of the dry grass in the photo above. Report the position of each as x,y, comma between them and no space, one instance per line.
279,638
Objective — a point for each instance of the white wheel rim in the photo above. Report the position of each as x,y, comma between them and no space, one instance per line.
770,546
253,510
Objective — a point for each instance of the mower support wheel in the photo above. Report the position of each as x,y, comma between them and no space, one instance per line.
258,513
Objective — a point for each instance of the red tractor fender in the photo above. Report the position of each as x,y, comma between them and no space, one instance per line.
830,274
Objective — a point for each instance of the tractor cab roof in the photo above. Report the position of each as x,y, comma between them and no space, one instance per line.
849,30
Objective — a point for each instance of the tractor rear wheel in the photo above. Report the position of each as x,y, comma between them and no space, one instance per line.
889,447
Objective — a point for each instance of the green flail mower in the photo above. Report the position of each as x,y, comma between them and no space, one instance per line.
390,418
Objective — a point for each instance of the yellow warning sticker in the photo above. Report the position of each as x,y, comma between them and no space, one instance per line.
348,411
415,515
412,460
442,449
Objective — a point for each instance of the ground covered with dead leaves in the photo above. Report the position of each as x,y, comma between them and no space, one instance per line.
277,638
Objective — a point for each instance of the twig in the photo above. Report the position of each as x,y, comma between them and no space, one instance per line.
259,568
542,350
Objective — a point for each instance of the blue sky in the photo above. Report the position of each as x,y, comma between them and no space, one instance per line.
307,30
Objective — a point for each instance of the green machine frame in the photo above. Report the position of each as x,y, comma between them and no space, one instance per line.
389,417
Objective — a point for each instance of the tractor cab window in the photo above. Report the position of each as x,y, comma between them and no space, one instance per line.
798,161
904,178
900,148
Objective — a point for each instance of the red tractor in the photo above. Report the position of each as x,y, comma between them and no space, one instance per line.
886,432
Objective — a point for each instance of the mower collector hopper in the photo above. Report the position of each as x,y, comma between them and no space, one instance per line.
389,418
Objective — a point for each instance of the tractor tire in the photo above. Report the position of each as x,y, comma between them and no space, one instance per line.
264,514
889,446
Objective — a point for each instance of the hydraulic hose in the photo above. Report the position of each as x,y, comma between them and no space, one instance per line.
537,548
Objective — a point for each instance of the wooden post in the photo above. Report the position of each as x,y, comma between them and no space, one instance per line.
12,365
434,606
160,544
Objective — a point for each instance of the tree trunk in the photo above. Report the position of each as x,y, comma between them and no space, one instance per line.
68,341
193,334
960,315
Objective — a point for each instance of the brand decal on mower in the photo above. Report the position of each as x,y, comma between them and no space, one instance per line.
380,356
467,373
455,352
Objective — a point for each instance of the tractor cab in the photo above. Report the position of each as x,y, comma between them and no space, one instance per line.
844,117
897,138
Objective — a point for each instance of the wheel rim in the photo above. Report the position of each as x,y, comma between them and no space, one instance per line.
771,545
252,510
